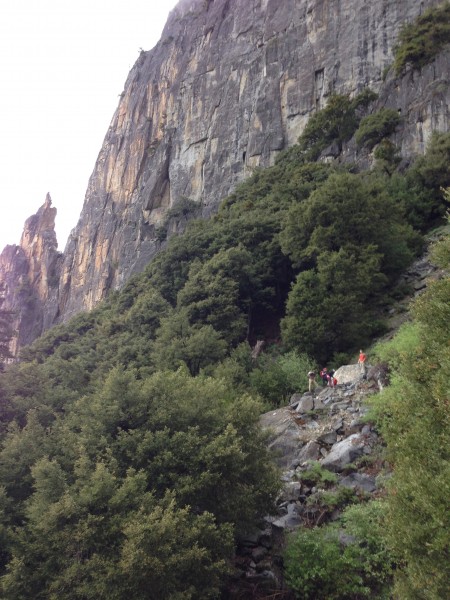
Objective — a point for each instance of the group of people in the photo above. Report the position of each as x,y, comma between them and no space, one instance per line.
328,378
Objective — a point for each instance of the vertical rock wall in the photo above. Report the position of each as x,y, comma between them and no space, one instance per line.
228,86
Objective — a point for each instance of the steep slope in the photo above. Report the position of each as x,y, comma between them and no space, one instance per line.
228,86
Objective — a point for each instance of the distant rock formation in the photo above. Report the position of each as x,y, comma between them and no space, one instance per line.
30,274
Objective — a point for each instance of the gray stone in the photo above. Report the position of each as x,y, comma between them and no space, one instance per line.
305,404
318,404
259,553
291,491
288,522
337,424
360,481
294,400
287,476
284,435
310,451
348,374
329,438
344,452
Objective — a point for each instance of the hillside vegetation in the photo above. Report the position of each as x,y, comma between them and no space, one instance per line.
423,39
131,453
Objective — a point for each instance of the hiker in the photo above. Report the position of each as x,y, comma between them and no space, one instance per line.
324,376
331,378
311,381
362,363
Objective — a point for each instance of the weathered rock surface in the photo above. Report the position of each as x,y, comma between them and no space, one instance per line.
30,274
341,441
284,435
348,374
228,86
345,452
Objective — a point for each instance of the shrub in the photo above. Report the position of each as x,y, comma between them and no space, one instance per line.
336,122
374,128
277,377
406,339
349,564
420,41
413,418
317,474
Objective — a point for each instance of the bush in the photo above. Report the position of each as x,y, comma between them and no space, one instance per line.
413,418
406,340
317,474
420,41
278,376
374,128
336,122
348,564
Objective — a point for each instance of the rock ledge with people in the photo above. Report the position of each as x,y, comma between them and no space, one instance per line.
326,448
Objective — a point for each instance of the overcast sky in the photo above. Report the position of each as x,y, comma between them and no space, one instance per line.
63,65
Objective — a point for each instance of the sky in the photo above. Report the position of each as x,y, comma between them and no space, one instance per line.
63,66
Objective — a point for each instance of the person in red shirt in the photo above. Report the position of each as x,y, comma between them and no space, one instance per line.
362,362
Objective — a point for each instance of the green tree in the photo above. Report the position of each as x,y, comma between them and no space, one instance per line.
180,343
337,122
6,329
320,565
144,483
329,310
420,41
413,416
348,210
218,293
376,127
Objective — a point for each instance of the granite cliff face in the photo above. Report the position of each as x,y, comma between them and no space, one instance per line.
229,85
30,273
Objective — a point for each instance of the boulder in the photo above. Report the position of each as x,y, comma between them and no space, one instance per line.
310,451
329,438
360,481
284,436
345,452
305,404
349,374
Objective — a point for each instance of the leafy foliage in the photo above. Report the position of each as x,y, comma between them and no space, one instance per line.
413,415
348,564
6,330
420,41
277,376
337,122
376,127
315,474
150,482
130,449
347,251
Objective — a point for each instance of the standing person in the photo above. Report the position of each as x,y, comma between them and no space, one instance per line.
331,378
362,363
324,376
311,381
